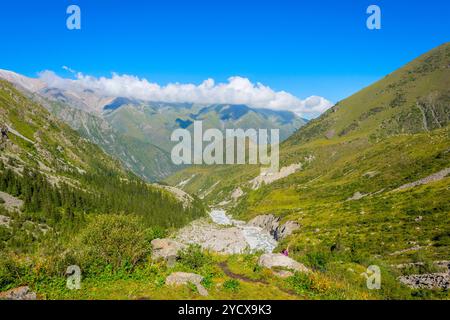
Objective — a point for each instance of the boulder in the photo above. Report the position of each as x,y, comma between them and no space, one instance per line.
183,278
267,222
166,249
287,229
271,224
21,293
273,260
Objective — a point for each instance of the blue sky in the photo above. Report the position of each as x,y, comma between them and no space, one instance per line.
304,47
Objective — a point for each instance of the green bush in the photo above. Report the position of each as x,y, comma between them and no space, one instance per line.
111,240
194,258
300,283
318,260
156,232
12,272
2,201
232,285
5,234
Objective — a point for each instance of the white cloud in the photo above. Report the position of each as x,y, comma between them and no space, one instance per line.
236,90
68,69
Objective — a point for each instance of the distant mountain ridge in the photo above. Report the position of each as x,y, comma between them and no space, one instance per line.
138,132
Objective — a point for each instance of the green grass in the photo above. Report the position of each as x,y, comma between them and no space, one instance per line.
389,134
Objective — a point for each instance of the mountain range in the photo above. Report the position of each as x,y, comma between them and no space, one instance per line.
364,187
138,132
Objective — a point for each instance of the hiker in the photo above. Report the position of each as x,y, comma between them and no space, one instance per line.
285,252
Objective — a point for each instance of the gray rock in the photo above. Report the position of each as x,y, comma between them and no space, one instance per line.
287,229
21,293
183,278
166,249
272,260
357,196
267,222
11,204
271,224
432,178
5,221
213,237
427,281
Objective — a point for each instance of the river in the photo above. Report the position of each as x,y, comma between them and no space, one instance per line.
257,238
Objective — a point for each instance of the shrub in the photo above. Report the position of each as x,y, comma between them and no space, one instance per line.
2,201
232,285
115,240
156,232
300,282
11,272
5,234
194,258
318,260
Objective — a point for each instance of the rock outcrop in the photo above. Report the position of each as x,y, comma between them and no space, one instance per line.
11,203
267,177
21,293
432,178
271,224
166,249
278,260
427,281
439,280
185,198
183,278
5,221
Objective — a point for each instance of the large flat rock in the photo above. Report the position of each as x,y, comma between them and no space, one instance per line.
228,240
278,260
166,249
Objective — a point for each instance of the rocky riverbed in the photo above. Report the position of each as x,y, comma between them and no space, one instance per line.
225,235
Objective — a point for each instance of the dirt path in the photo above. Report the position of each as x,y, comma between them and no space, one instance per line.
229,273
232,275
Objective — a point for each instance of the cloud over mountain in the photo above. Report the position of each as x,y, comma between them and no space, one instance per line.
236,90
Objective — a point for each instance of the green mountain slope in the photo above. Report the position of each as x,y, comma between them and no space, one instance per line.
63,179
154,122
410,100
354,161
138,132
143,158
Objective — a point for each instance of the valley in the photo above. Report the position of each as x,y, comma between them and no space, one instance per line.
138,132
364,185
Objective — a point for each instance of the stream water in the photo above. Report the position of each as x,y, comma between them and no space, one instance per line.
257,238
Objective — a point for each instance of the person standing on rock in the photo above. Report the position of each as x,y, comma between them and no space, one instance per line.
285,252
